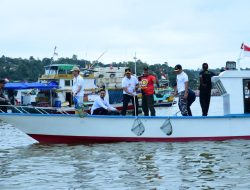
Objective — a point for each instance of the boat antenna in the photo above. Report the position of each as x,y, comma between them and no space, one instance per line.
96,61
53,56
135,58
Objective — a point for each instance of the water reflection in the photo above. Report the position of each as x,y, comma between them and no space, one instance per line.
197,165
200,165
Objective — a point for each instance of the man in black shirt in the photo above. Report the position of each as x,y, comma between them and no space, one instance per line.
205,88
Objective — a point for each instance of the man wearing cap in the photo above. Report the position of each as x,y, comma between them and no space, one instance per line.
205,88
77,89
182,89
147,82
3,100
190,100
129,84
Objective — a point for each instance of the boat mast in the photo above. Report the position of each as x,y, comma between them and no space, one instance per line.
96,61
135,58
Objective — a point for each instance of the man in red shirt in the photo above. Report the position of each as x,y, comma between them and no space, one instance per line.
147,82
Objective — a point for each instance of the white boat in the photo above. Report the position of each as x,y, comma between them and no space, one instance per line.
64,128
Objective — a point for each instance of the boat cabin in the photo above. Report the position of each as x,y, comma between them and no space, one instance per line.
62,75
234,86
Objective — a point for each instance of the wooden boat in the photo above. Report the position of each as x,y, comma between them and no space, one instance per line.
66,128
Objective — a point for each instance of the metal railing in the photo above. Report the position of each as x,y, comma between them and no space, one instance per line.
32,110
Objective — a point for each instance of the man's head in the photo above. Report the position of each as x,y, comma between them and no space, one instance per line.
205,66
128,72
178,69
102,93
75,70
145,71
3,82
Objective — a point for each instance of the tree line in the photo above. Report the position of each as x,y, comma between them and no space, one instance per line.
19,69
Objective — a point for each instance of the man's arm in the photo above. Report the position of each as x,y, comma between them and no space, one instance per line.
125,88
201,80
101,104
78,90
111,107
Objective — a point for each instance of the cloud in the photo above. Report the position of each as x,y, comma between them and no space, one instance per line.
188,32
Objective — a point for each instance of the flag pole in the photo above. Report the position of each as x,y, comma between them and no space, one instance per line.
239,58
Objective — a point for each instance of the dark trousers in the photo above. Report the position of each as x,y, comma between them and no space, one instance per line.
205,96
189,110
102,111
191,98
126,100
183,104
148,104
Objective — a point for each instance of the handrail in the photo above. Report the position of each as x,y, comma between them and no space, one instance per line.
31,110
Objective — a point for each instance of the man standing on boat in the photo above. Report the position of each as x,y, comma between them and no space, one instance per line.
182,89
77,89
3,99
129,84
190,100
147,82
205,88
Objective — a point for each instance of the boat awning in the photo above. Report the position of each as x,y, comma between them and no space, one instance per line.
26,85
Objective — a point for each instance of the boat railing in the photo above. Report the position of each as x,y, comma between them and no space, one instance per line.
31,110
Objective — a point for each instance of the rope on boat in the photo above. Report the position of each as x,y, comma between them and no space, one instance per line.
167,127
138,127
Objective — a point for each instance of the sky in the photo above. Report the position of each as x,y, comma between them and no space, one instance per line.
186,32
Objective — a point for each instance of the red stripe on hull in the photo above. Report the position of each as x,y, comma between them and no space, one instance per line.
54,139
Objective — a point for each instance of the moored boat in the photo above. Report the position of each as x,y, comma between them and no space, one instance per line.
63,128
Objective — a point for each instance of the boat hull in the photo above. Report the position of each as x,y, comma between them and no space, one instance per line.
55,139
53,128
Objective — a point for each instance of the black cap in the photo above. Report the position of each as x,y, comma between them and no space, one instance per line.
145,68
177,67
127,70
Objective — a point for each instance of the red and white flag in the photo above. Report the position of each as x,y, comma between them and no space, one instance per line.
246,50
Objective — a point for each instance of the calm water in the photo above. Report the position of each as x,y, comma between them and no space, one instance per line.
195,165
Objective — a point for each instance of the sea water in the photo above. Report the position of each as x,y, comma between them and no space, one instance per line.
24,164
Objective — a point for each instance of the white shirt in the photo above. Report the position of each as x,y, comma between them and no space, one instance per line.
130,84
181,79
101,103
78,81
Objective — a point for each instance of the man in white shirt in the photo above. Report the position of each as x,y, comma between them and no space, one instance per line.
102,106
129,84
182,88
77,89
